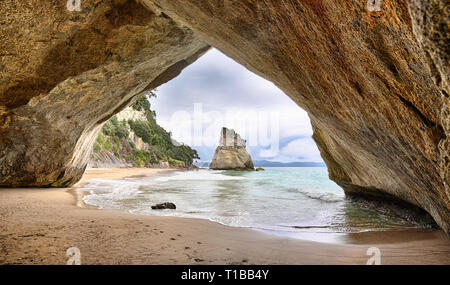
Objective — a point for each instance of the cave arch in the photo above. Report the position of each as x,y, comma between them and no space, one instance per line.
374,83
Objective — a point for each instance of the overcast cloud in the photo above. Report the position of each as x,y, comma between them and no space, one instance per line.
215,91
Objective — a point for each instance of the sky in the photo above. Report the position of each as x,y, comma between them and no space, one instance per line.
216,92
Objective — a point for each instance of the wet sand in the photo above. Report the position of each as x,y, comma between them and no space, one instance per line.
39,225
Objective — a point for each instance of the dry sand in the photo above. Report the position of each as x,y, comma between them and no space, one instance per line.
39,225
120,173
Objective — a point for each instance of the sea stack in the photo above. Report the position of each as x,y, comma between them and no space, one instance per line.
231,153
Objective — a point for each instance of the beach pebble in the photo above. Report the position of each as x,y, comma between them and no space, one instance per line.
166,205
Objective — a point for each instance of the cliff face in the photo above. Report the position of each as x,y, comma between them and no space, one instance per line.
111,150
231,153
64,73
133,138
374,81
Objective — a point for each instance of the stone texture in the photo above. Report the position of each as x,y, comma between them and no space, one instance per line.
106,159
231,158
228,137
231,152
131,114
63,74
431,26
375,84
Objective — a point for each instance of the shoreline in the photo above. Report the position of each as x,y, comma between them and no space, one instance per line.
325,237
39,225
112,173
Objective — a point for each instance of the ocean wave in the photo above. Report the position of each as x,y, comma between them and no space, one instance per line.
105,192
322,196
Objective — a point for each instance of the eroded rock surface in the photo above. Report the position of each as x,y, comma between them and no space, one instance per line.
231,154
63,74
375,83
231,158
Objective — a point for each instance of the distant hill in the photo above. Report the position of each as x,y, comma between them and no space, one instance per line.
266,163
201,163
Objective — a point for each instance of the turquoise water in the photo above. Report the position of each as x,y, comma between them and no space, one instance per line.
281,200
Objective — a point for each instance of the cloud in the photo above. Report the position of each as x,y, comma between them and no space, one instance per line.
303,149
227,89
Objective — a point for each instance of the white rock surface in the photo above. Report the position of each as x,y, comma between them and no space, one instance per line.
231,153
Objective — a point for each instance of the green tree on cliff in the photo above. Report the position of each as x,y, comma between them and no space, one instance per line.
115,138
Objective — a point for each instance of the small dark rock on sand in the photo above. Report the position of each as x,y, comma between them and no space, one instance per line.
167,205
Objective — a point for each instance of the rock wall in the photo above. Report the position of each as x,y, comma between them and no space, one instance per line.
364,76
106,159
103,158
130,114
374,82
430,25
64,73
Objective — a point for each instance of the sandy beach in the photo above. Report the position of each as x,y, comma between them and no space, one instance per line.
39,225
